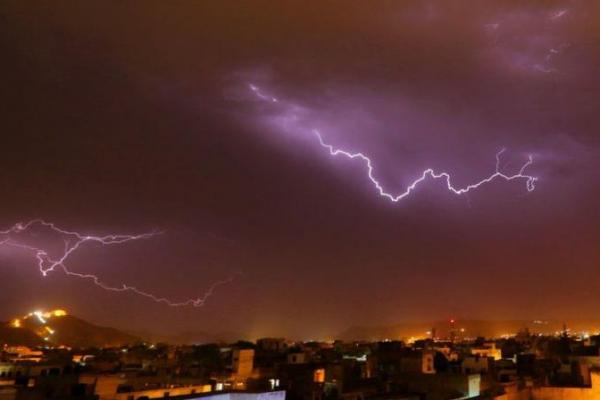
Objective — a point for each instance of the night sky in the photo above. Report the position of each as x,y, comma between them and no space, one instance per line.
131,117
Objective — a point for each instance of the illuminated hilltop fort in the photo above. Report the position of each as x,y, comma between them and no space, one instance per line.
39,322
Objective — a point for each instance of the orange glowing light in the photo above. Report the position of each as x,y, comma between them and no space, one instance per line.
319,375
59,313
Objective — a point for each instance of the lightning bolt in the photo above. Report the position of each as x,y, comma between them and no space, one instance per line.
558,14
545,65
73,241
530,180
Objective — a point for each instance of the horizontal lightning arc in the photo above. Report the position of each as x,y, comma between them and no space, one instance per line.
530,180
46,264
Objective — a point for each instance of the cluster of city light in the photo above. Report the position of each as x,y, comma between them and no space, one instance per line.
428,173
74,241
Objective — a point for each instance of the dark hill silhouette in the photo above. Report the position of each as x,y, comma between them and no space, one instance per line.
67,330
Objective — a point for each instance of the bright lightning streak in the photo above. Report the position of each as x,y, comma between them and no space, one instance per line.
74,241
558,14
530,180
47,264
428,173
261,95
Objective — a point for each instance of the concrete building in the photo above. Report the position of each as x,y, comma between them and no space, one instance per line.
487,350
441,386
297,358
476,364
591,392
272,344
242,362
417,361
275,395
162,393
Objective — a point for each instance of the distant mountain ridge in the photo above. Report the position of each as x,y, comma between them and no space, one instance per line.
18,337
191,337
465,328
58,328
